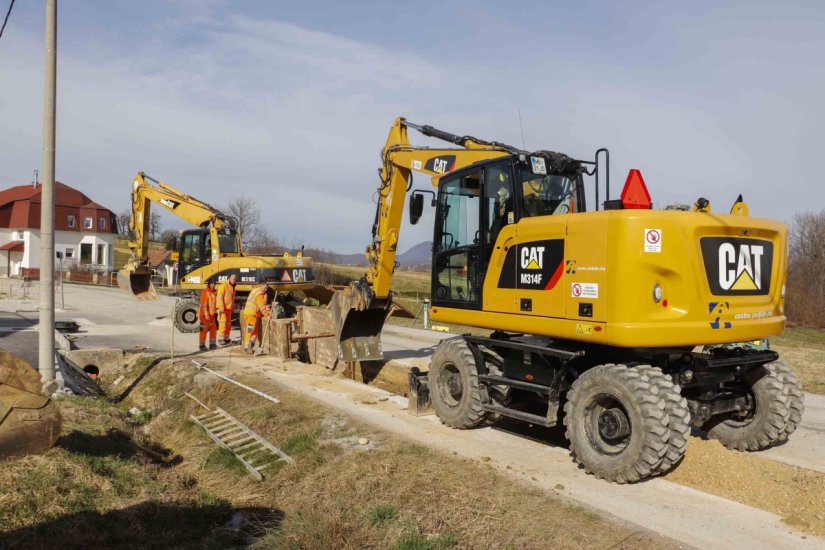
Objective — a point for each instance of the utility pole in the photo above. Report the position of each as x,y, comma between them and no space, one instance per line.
46,326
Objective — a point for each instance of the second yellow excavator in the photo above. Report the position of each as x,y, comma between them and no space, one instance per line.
623,323
212,251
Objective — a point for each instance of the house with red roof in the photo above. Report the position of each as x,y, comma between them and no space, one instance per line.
84,230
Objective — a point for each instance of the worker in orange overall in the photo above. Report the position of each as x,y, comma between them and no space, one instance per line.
207,315
255,309
226,306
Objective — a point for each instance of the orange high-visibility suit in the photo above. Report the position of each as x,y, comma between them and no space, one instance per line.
225,306
207,315
256,307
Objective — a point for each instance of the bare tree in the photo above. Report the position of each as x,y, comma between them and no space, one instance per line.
805,293
167,237
246,211
264,243
154,226
123,223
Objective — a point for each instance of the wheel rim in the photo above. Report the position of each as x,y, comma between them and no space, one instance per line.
607,424
450,385
189,317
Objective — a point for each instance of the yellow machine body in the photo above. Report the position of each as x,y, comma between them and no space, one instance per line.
609,267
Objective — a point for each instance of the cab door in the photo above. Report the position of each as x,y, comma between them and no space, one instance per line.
499,238
194,251
457,275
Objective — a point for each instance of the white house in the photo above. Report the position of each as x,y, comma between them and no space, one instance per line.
84,230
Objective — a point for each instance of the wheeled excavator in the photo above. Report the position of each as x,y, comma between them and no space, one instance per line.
627,325
210,252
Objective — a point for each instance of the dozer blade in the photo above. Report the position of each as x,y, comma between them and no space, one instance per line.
30,422
137,282
358,322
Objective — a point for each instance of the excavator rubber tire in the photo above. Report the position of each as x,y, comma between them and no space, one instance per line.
678,417
796,397
604,445
453,383
186,315
30,422
764,426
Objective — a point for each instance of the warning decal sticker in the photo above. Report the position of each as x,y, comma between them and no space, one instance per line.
653,240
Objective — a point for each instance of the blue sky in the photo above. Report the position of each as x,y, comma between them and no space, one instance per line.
290,102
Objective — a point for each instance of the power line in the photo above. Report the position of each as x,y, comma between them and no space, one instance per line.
6,20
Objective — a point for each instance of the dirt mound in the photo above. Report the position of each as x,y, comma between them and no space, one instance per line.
795,494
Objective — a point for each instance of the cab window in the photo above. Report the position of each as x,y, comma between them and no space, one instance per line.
548,195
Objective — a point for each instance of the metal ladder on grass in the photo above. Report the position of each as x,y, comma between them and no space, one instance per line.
254,452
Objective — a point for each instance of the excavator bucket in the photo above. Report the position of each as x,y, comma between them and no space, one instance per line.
358,323
30,422
137,281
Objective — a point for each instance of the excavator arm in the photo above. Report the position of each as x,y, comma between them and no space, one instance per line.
360,310
135,277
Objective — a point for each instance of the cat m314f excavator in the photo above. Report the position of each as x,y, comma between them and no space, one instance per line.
623,323
212,251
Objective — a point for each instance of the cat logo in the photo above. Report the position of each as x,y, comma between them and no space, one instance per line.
740,269
532,257
440,165
738,266
285,278
169,203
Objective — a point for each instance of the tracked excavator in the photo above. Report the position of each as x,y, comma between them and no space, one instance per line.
211,251
623,323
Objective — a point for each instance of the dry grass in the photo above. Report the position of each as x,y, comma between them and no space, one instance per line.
386,494
804,350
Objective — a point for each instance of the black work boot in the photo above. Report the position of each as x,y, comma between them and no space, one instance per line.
213,345
202,347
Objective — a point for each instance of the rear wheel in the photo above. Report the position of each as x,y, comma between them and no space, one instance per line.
792,389
678,416
453,383
765,424
186,315
617,423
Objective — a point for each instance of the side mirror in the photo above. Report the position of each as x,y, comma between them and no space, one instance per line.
175,244
416,207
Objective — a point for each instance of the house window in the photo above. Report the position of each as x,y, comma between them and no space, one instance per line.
19,235
85,253
69,253
87,223
101,224
101,254
71,221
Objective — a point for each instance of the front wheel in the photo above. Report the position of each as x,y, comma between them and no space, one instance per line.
186,315
617,423
453,382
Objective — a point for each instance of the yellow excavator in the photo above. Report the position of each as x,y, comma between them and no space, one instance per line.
624,323
212,251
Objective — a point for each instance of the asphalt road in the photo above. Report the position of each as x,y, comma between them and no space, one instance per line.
18,335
